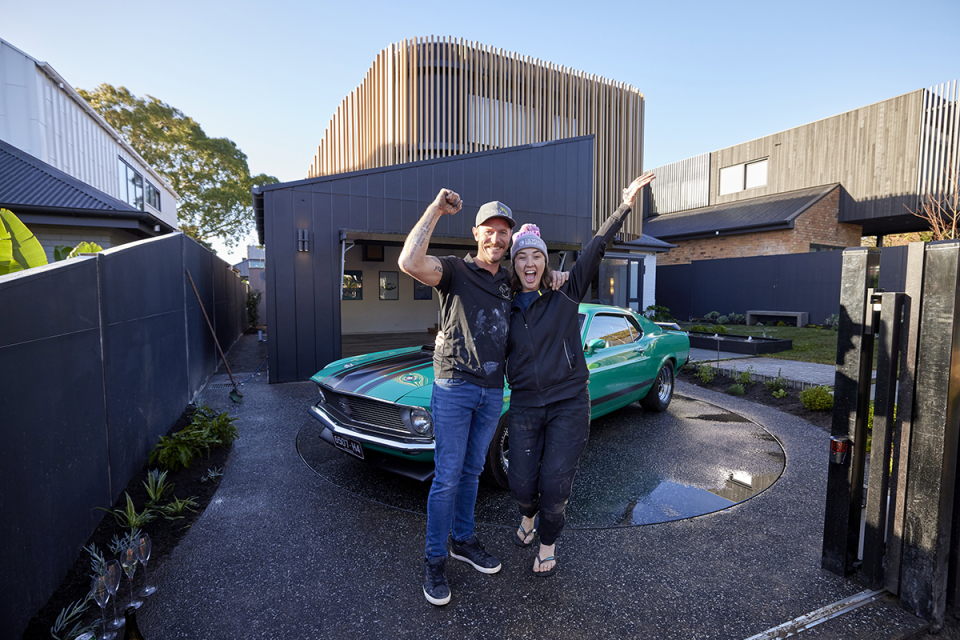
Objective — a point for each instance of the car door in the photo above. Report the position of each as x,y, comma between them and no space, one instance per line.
620,369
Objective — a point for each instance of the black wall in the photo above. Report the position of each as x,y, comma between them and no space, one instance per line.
549,184
98,358
793,282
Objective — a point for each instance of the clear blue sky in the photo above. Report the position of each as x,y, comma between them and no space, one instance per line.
269,75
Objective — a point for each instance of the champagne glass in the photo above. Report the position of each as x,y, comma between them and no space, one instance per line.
128,560
101,594
113,573
142,545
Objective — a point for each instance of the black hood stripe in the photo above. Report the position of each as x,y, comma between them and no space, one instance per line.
354,379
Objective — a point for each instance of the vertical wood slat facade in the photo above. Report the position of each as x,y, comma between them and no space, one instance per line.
432,97
939,141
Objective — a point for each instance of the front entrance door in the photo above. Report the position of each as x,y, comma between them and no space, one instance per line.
621,282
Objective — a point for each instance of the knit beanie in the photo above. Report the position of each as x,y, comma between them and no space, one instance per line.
526,238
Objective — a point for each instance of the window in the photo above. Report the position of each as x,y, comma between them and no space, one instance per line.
132,188
614,330
739,177
814,248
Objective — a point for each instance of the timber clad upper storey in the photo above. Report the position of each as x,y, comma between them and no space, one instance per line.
430,98
886,156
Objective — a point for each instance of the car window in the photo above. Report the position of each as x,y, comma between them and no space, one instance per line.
614,330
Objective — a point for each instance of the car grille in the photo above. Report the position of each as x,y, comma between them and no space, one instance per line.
365,414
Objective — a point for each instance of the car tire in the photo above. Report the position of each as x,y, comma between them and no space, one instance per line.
661,392
495,469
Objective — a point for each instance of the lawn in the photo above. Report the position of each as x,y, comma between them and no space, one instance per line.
810,344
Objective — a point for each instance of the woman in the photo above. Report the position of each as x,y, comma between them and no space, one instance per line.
549,417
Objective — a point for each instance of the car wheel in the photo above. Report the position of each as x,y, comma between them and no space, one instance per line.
661,392
495,470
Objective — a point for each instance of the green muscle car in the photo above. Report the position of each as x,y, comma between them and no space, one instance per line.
376,407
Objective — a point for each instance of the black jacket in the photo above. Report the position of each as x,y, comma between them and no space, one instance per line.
545,360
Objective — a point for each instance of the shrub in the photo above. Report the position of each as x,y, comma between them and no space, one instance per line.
780,393
253,307
718,328
817,398
736,390
207,429
658,313
745,377
736,318
699,327
705,373
781,323
777,384
723,320
712,316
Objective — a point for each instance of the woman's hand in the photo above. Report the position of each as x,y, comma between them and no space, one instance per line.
630,193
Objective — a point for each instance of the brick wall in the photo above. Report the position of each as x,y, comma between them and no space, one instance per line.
816,225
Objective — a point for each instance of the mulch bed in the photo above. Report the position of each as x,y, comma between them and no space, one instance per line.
758,394
164,535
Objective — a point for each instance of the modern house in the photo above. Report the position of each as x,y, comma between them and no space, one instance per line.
64,171
820,186
556,145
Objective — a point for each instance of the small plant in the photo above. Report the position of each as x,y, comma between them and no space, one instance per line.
253,307
118,543
69,623
157,487
212,474
175,509
777,384
705,373
832,321
746,377
735,318
817,398
780,393
781,323
718,328
712,316
658,313
98,564
736,389
207,429
128,517
723,320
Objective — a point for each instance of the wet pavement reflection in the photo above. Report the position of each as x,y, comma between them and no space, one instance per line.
639,468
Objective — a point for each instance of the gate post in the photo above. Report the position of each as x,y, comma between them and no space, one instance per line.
841,529
933,448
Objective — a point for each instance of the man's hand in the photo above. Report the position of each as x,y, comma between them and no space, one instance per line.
559,279
448,202
630,193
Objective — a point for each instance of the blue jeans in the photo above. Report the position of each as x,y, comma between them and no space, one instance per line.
465,418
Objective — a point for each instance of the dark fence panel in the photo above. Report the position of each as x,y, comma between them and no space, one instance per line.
792,282
99,357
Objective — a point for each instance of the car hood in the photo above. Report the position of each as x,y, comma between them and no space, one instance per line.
399,375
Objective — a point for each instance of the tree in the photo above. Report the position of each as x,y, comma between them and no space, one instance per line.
210,175
941,210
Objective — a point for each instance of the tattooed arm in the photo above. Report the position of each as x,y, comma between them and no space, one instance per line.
414,260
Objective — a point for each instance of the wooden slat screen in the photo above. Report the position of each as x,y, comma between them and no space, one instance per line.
433,97
681,186
939,141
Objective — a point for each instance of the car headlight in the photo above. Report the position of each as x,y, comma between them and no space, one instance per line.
421,422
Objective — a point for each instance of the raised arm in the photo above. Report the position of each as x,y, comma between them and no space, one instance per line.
414,260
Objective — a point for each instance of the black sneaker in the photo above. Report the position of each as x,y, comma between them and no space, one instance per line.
435,581
471,551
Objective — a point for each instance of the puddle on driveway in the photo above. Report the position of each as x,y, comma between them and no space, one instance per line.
639,468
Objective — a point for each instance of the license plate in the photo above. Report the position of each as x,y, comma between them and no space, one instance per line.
350,446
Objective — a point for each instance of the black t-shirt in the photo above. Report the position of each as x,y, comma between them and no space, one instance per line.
474,318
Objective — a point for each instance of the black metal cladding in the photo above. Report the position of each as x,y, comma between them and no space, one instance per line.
549,184
101,354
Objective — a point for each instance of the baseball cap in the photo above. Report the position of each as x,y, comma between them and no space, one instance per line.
495,210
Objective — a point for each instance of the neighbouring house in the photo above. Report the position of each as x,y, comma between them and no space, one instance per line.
555,144
64,171
820,186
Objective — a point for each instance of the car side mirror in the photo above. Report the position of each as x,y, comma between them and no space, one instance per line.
595,345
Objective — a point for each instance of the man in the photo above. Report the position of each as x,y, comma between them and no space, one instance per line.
475,300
